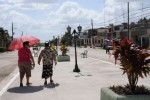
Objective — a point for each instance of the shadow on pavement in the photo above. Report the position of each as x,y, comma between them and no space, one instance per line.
80,74
25,89
52,85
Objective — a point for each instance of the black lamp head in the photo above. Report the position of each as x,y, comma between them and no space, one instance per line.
79,28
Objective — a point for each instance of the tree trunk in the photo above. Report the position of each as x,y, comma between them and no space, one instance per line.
133,79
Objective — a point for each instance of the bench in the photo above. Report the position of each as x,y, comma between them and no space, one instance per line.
35,52
84,54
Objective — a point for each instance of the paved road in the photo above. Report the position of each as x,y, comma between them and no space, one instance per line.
86,85
8,62
95,53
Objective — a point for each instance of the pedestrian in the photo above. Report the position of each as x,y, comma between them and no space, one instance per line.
54,49
25,62
48,56
107,47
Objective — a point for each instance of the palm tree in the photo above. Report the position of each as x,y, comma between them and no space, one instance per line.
143,21
6,36
3,37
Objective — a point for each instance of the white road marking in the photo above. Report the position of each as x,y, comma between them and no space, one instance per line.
104,61
8,84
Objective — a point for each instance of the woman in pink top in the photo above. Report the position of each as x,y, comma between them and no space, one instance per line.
25,61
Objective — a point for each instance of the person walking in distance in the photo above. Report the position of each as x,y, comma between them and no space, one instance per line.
25,62
48,56
107,47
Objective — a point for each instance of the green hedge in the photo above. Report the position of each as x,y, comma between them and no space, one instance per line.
3,49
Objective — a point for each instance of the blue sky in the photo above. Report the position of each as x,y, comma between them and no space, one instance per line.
47,18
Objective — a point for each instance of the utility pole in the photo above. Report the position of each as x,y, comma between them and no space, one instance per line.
92,33
128,22
123,16
142,10
104,13
92,25
22,33
112,31
12,31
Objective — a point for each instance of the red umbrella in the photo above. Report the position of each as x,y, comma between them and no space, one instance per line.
18,42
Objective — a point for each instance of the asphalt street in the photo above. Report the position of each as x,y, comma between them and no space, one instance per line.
8,62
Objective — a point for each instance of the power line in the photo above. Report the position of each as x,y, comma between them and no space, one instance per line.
124,14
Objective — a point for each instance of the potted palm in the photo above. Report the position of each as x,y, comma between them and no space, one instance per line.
134,63
63,56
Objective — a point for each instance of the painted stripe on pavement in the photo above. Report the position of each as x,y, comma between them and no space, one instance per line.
104,61
101,60
8,84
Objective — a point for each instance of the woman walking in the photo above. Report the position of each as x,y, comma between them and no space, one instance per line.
48,56
25,61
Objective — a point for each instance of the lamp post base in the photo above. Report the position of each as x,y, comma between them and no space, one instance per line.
76,69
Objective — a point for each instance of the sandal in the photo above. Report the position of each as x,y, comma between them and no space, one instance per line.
28,84
45,83
51,81
21,85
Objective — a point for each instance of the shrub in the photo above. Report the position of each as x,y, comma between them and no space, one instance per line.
64,50
134,61
3,49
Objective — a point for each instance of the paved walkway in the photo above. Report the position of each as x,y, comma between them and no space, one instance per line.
68,85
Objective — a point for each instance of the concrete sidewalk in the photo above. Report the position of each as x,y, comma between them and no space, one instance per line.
69,85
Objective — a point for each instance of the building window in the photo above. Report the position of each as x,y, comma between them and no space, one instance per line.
109,29
102,41
125,27
116,28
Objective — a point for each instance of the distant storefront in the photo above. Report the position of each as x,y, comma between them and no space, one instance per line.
140,37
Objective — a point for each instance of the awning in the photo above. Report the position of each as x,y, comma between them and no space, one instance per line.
145,35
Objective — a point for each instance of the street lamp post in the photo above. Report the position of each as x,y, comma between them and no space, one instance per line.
69,29
57,44
68,35
75,34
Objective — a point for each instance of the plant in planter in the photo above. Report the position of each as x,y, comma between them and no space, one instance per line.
64,56
64,50
134,62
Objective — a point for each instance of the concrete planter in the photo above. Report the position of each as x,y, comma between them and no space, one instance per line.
61,58
108,94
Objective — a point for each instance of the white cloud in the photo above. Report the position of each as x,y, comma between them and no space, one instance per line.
30,4
33,6
5,7
117,9
21,21
45,18
70,13
30,1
